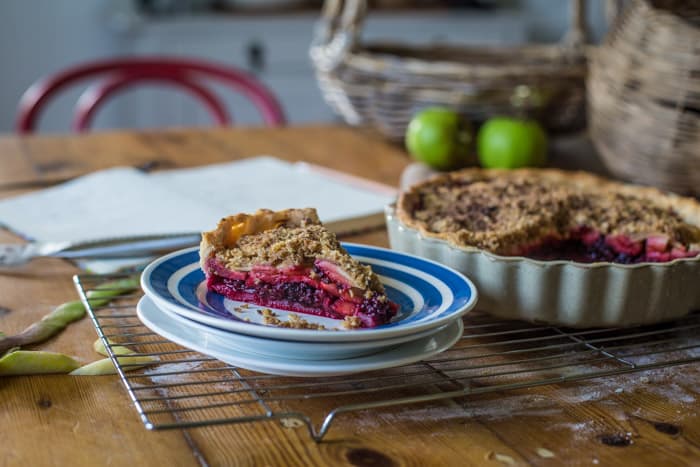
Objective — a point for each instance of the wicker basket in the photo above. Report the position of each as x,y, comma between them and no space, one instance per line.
644,95
383,85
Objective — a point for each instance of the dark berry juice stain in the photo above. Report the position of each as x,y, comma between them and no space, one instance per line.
44,402
154,164
54,166
363,457
616,440
667,428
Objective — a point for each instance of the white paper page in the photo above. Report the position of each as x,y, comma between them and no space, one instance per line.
123,201
110,203
267,182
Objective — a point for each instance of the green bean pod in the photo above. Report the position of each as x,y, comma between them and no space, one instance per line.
35,362
105,366
103,293
99,347
68,312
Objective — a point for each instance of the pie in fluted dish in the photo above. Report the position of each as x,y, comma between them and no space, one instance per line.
289,260
549,214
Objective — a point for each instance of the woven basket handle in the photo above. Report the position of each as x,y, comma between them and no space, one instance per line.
613,11
577,36
337,32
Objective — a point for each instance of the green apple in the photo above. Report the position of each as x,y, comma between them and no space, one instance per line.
440,138
509,143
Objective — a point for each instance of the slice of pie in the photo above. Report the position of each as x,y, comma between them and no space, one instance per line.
288,260
553,215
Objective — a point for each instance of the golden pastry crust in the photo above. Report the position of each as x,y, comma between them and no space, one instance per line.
281,239
503,210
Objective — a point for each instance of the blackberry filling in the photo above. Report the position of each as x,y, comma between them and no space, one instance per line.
303,298
587,246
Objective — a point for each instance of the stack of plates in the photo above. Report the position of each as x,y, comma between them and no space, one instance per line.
432,298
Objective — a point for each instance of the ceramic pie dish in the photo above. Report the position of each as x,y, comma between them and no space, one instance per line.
529,269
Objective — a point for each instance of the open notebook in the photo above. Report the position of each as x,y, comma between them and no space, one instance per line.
124,201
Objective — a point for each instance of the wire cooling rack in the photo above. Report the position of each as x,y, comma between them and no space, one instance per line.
188,389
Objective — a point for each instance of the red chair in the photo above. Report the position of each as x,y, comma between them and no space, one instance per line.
118,74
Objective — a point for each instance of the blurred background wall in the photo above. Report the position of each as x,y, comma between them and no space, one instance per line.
269,38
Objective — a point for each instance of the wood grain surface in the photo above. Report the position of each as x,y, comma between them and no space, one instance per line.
648,418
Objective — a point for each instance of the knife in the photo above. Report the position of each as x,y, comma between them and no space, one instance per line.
108,248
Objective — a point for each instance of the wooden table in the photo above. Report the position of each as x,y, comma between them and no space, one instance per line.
63,420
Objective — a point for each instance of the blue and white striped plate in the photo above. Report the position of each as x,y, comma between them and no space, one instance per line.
429,295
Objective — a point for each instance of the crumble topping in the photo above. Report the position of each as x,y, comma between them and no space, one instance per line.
501,211
286,247
295,238
352,322
294,321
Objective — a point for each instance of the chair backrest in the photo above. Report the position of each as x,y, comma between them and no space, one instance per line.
118,74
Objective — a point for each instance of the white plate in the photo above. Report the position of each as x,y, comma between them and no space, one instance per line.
296,350
429,295
223,349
